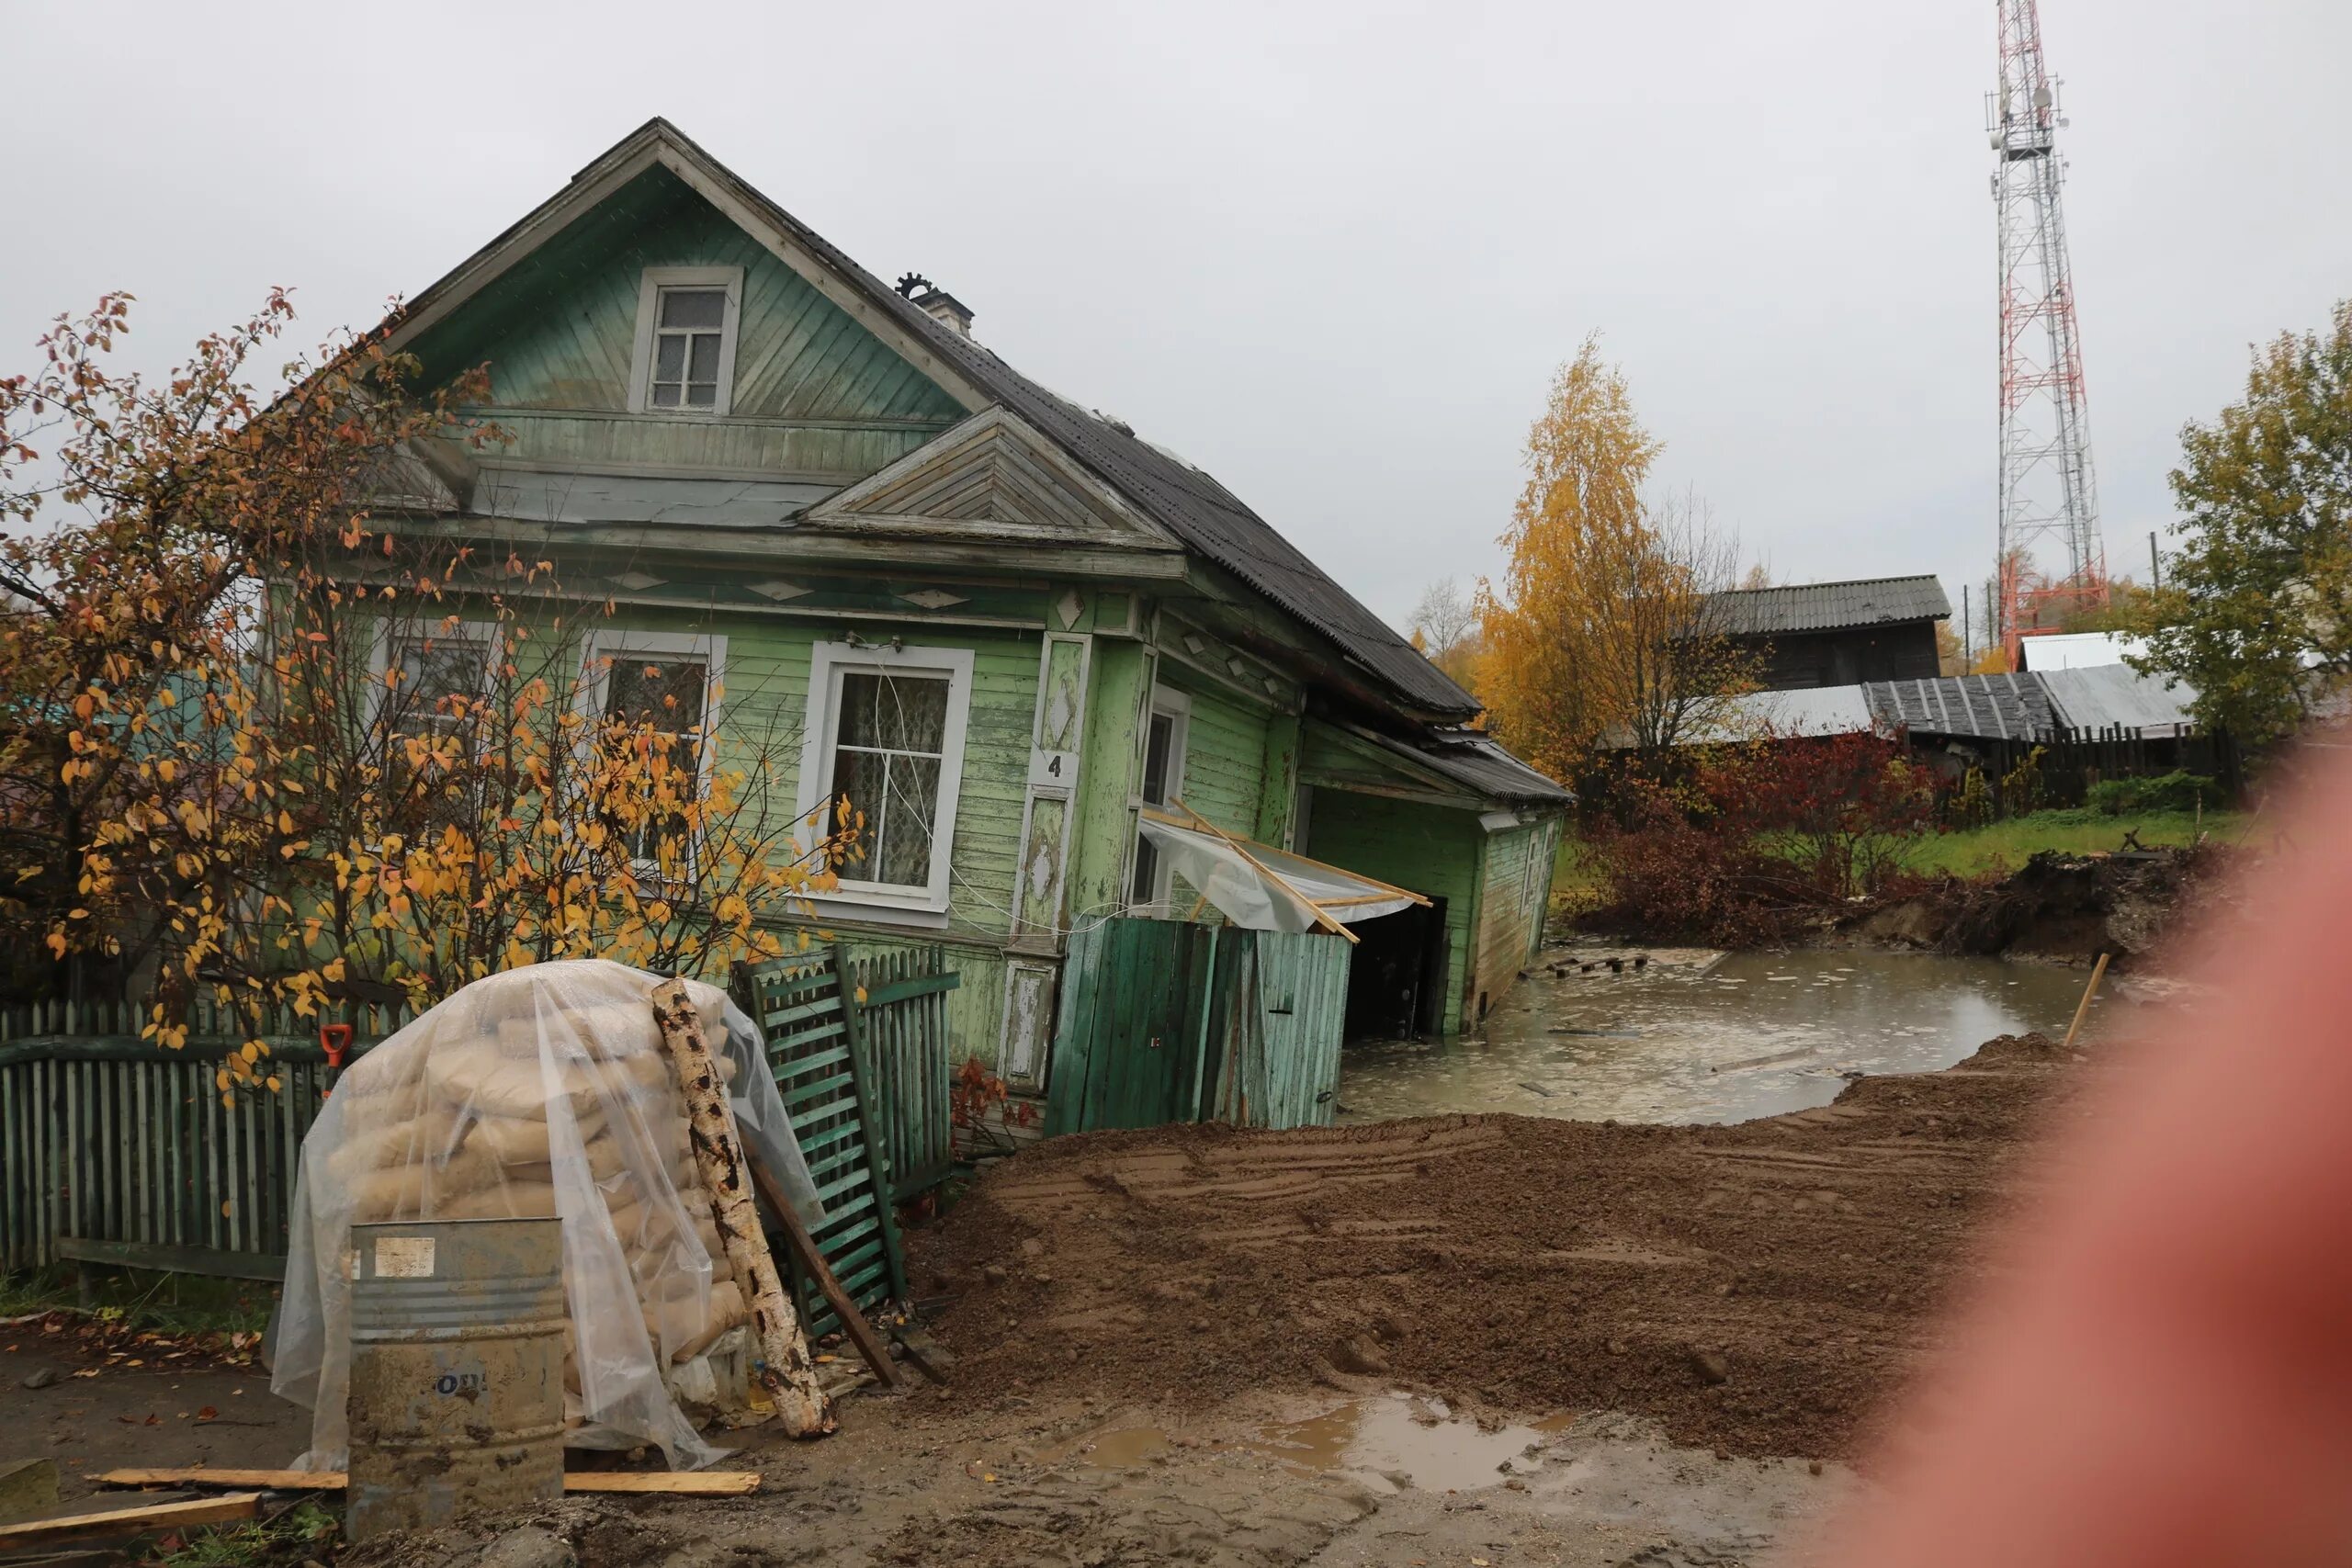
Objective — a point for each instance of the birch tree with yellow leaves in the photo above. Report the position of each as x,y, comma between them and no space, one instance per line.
1604,633
260,748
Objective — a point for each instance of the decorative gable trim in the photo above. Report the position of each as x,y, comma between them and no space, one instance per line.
994,475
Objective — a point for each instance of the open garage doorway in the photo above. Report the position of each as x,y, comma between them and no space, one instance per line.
1396,988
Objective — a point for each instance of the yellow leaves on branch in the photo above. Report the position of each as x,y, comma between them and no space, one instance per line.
1598,633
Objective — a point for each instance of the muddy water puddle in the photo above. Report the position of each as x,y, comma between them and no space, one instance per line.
1753,1034
1403,1439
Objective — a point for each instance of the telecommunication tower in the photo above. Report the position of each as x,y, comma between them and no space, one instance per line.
2048,519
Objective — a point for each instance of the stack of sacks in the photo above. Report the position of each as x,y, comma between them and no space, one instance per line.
511,1087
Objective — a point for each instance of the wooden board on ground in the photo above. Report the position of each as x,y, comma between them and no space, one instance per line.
130,1521
675,1484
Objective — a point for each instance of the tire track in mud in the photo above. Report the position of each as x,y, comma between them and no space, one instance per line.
1756,1288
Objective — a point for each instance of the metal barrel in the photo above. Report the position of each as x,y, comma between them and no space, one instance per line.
456,1370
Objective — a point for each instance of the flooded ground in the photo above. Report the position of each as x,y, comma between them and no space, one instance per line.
1755,1034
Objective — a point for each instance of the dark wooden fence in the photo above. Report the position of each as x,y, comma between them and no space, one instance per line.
116,1150
2072,760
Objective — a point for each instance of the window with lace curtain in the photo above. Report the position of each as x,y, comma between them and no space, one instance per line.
882,763
687,319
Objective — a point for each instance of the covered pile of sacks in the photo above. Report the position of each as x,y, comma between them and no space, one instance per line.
546,1092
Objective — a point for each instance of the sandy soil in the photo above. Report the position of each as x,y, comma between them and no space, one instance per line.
1458,1340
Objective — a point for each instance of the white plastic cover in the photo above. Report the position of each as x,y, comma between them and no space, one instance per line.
541,1092
1251,899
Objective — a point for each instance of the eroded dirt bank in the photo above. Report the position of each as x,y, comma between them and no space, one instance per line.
1755,1288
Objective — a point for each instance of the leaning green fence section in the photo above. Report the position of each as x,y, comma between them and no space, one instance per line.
859,1051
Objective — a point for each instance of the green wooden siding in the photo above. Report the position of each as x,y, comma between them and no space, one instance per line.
559,331
1225,754
1225,769
1430,848
1515,879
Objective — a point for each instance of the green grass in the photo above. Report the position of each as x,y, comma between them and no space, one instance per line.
1577,880
1578,883
1978,852
304,1533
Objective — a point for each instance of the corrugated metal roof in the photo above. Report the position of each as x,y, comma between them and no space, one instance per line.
1992,707
1827,607
2076,650
2097,696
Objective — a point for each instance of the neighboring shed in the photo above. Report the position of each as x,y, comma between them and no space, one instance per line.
2115,696
1837,633
2076,650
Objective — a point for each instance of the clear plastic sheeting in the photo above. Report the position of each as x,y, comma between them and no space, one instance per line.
1262,888
542,1092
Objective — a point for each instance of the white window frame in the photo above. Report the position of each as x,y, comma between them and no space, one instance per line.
1177,707
649,313
605,644
828,662
481,634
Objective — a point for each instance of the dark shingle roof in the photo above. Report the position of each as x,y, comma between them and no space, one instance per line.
1187,501
1993,707
1828,606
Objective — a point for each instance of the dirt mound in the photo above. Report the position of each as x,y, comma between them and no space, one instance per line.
1756,1288
2056,905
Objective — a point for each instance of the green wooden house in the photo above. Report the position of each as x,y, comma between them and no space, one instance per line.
1007,622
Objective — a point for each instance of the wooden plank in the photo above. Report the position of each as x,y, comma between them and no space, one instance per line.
675,1484
130,1521
805,1255
216,1262
896,991
236,1480
671,1483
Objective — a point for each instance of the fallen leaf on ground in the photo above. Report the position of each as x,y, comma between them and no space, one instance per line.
88,1372
206,1414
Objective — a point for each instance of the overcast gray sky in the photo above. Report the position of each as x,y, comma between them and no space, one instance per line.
1329,251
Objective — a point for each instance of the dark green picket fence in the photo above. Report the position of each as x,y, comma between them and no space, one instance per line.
115,1150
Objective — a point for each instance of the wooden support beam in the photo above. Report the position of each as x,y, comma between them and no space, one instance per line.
675,1484
805,1253
130,1521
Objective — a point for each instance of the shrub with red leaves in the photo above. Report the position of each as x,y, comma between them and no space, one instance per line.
1748,839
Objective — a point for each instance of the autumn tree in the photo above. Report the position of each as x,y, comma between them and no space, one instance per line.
266,750
2256,611
1606,628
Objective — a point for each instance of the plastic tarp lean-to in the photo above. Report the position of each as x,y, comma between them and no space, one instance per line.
1262,888
544,1092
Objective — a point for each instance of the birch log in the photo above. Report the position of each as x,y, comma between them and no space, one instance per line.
789,1376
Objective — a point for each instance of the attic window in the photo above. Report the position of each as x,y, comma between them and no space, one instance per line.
685,340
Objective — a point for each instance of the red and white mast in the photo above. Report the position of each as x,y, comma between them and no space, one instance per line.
2050,560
